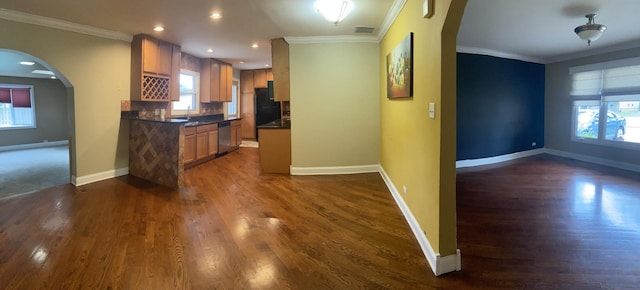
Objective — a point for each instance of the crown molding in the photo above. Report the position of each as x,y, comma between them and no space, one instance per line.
330,39
393,13
63,25
592,52
501,54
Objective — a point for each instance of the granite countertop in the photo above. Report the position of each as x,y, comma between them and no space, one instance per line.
277,124
193,121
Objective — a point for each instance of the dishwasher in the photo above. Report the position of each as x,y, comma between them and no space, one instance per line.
224,137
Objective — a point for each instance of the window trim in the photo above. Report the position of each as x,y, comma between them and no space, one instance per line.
196,91
33,107
602,97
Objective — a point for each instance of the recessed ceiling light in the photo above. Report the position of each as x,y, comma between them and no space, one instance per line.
158,28
266,65
42,72
216,15
242,62
255,45
27,63
209,50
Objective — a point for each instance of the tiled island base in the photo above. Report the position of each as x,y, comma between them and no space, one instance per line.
156,152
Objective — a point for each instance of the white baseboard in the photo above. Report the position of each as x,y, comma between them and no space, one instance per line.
498,159
33,145
82,180
439,265
333,170
595,160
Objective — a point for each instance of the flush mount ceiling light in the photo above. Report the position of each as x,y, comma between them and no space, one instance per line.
334,10
158,28
590,31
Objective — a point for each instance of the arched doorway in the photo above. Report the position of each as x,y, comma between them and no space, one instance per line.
37,130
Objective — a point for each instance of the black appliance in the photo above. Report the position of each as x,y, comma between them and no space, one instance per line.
266,109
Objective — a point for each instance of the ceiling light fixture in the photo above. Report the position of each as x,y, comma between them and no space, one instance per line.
216,15
590,31
27,63
209,50
266,65
42,72
158,28
334,10
255,45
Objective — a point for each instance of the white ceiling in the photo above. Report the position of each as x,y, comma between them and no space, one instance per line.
540,31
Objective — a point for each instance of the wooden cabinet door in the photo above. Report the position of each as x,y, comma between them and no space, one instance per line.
269,74
238,135
229,80
215,82
205,80
223,82
165,56
234,136
246,82
149,55
202,145
260,78
280,60
213,142
175,73
189,148
247,111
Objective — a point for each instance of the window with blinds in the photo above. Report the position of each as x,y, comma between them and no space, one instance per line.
609,89
16,107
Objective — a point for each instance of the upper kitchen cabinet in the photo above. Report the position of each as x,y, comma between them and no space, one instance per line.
280,60
216,80
261,76
155,69
246,82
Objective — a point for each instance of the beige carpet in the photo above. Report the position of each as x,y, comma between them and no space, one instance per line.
29,170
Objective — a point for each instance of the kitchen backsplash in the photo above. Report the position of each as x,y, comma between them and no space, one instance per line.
148,109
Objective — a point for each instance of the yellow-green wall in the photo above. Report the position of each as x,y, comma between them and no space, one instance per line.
99,71
334,104
416,151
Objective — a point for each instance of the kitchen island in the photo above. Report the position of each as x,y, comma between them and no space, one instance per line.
158,147
275,146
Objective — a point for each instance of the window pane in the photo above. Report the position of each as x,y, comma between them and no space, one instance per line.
623,119
586,119
232,107
186,83
186,102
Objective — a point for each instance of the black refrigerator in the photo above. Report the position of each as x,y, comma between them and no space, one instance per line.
266,109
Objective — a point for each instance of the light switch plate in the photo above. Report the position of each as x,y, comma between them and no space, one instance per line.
427,8
432,110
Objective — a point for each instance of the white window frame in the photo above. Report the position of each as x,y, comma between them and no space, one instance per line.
12,110
601,96
196,92
234,96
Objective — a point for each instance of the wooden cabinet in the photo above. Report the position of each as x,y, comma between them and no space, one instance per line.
213,142
155,69
247,111
275,150
280,60
236,133
189,145
216,79
201,142
260,77
246,82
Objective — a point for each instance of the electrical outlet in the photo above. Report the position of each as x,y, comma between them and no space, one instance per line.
533,144
404,189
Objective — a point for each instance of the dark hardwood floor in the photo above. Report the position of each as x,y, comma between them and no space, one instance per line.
537,223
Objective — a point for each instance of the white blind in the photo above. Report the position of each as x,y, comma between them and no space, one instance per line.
587,83
620,80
